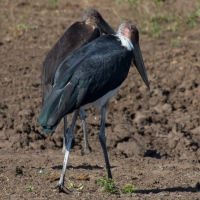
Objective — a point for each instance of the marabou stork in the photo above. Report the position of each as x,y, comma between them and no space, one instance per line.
91,76
76,36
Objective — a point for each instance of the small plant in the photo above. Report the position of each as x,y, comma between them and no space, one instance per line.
128,189
6,16
176,42
192,19
30,188
155,20
198,12
22,26
41,173
134,2
193,16
107,185
21,17
38,167
53,1
174,27
71,185
187,174
156,28
19,30
158,4
40,170
79,187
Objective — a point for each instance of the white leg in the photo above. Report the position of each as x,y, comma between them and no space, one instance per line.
65,135
68,146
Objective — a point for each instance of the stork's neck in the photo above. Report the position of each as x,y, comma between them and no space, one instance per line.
126,42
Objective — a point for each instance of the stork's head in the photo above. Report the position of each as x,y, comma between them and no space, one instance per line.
129,30
92,16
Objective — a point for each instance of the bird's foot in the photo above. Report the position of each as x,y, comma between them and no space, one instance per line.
62,188
87,151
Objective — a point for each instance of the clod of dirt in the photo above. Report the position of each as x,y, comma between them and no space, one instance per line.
7,39
18,170
131,147
195,130
58,140
83,178
1,125
26,128
53,177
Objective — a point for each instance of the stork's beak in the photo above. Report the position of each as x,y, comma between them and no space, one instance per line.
105,27
139,63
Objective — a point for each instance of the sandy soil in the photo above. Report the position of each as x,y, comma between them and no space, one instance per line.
153,137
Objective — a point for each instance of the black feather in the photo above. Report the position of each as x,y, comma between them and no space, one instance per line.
91,72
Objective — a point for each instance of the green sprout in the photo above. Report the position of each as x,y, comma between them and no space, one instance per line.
29,188
157,31
22,27
193,16
53,1
21,17
128,189
5,15
71,185
107,185
176,42
192,19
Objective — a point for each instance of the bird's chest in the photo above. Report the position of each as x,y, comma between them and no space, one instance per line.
119,71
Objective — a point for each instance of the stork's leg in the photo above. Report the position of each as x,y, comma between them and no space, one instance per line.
102,139
65,134
70,137
87,149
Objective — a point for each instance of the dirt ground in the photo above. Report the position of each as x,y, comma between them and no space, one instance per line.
153,137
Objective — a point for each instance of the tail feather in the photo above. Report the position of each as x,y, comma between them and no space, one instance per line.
54,108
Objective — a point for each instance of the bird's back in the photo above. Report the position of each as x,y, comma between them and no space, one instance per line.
73,39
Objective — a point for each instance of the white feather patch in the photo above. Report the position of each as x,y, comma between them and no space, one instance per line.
99,103
126,42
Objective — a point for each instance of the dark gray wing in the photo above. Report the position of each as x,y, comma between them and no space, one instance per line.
73,39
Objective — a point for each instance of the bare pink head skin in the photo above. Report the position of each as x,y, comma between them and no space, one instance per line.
129,30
